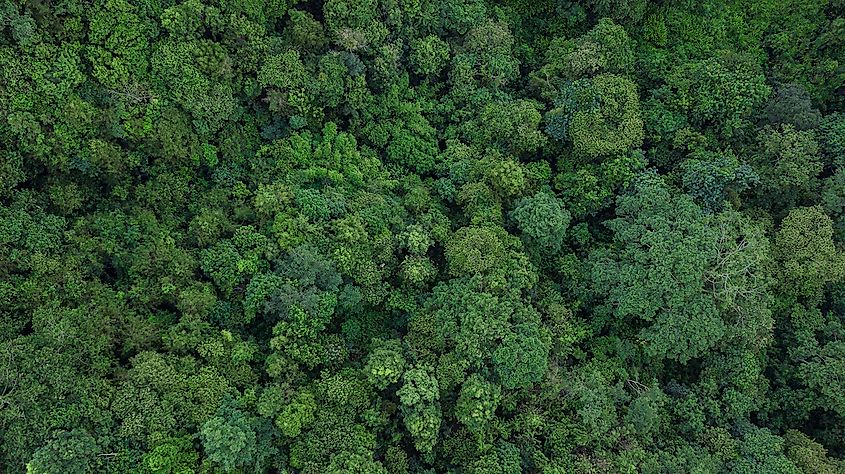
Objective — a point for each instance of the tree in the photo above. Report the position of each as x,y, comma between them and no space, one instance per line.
72,452
354,25
477,403
791,104
699,271
719,93
605,49
419,397
805,251
203,88
474,250
830,137
762,450
355,463
543,221
715,179
305,32
287,80
118,40
513,126
229,440
385,363
461,236
489,52
600,116
627,12
788,163
833,199
806,454
429,55
173,456
523,357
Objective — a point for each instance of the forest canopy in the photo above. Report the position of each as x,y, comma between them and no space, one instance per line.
422,236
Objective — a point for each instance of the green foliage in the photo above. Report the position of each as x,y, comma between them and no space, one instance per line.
807,455
173,456
719,93
354,25
474,250
229,440
522,359
625,11
489,53
761,450
354,463
833,200
700,267
419,397
600,116
832,137
196,74
792,105
512,126
429,55
714,179
606,49
805,47
543,221
71,452
477,403
385,364
304,32
401,236
788,164
805,250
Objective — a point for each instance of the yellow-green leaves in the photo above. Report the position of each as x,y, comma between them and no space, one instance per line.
805,250
615,126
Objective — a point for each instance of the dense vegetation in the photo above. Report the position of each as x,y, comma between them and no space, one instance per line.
422,236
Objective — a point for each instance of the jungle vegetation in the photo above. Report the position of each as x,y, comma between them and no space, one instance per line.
422,236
